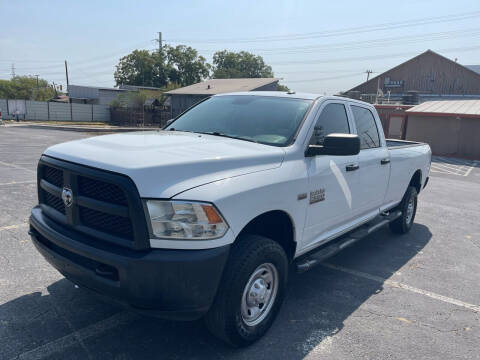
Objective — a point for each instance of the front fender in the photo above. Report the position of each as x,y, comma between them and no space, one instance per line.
243,198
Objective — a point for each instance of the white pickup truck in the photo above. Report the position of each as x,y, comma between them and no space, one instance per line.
205,217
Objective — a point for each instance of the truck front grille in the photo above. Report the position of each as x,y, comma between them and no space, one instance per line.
105,205
117,225
100,190
53,176
54,202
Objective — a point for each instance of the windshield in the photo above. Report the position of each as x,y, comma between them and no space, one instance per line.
263,119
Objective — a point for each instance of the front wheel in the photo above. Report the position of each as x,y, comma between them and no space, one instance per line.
408,207
251,292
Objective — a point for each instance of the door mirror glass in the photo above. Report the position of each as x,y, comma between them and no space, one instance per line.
336,144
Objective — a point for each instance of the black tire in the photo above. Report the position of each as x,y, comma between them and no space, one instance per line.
224,319
404,223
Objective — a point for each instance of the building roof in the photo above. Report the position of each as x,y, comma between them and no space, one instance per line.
137,87
464,108
475,68
74,87
374,80
219,86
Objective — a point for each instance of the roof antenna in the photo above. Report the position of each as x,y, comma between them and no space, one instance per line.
290,92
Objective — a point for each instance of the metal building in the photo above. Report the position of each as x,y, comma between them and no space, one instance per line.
93,95
427,76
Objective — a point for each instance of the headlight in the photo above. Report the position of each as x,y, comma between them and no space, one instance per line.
185,220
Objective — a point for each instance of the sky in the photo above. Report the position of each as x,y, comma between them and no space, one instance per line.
313,46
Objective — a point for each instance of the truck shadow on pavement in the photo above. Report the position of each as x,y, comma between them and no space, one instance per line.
70,323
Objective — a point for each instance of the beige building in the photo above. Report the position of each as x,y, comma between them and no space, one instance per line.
452,128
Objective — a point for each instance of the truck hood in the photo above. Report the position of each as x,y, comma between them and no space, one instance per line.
164,163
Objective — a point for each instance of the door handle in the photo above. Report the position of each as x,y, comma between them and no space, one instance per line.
352,167
385,161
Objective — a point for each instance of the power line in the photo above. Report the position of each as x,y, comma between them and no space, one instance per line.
374,42
325,78
342,32
370,57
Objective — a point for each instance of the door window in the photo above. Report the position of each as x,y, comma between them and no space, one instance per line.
333,119
366,127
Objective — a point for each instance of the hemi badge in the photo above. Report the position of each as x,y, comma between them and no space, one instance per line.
317,196
301,196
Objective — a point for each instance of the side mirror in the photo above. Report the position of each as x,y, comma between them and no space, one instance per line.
336,144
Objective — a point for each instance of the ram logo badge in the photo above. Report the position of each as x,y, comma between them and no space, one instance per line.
317,196
67,197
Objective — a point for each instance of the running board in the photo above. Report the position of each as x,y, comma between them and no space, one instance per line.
334,246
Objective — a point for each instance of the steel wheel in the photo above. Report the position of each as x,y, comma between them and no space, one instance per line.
259,294
410,210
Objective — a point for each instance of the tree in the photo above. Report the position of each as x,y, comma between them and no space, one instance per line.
229,64
181,65
186,67
142,68
26,87
281,87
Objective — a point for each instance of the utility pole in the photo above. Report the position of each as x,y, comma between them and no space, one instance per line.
66,73
159,42
68,91
33,97
368,73
13,70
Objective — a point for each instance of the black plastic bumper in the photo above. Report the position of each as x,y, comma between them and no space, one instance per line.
174,284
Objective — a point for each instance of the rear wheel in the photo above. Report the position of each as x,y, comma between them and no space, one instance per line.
408,207
251,292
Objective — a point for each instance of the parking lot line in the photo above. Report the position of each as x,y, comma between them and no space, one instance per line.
399,285
471,168
17,167
460,167
19,182
11,227
47,350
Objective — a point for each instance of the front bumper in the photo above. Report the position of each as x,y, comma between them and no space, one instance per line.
174,284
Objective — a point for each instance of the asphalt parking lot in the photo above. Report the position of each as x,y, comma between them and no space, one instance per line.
415,296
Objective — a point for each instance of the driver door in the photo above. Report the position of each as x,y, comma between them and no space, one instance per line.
332,180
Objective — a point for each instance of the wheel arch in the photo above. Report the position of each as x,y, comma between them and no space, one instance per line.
276,225
416,180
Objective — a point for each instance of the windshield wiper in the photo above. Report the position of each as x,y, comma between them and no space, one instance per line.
216,133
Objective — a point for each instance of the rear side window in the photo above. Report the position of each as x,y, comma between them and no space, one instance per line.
332,119
366,127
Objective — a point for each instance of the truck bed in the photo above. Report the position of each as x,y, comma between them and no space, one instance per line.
395,143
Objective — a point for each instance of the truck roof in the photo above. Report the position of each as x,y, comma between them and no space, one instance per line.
295,95
308,96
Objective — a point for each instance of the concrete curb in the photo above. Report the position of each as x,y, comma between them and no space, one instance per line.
82,128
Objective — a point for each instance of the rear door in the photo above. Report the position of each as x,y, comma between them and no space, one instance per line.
374,160
331,187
